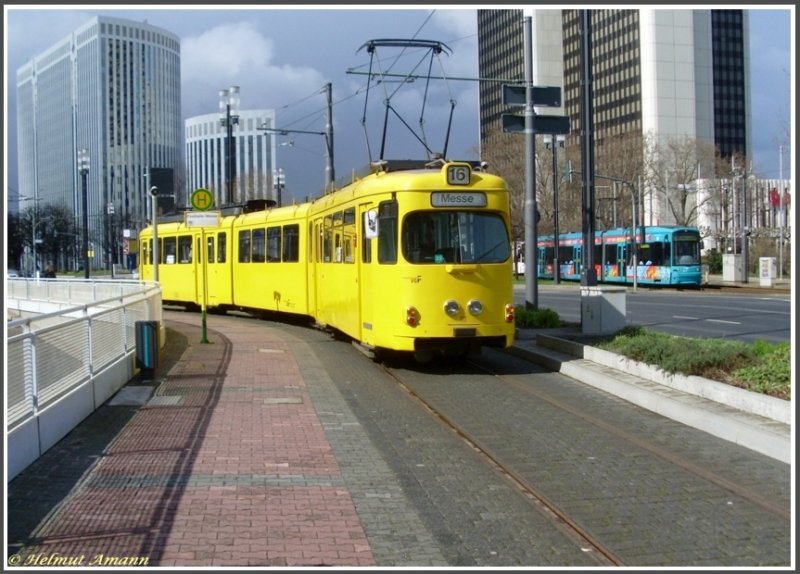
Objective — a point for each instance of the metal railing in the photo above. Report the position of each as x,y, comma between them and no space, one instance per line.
65,335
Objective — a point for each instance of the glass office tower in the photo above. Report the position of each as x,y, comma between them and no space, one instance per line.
112,87
670,72
254,156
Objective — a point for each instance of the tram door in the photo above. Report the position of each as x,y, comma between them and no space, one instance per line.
368,239
218,268
314,250
622,258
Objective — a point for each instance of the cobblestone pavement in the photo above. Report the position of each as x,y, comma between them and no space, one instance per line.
226,464
262,448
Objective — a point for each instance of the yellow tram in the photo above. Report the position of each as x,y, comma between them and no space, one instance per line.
410,258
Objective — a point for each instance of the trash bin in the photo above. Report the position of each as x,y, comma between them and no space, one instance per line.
147,346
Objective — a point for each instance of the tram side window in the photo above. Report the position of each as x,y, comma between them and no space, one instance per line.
598,254
169,250
610,254
338,219
366,242
291,242
349,234
244,246
337,242
274,244
565,253
316,236
258,247
210,249
387,232
327,240
654,253
222,243
162,257
185,249
546,255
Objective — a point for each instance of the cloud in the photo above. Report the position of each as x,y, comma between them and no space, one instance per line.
460,23
224,52
238,54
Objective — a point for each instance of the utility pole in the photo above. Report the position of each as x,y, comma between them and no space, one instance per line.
780,216
588,274
531,263
330,176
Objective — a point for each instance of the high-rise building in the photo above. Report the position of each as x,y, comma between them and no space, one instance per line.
252,154
112,87
682,72
668,73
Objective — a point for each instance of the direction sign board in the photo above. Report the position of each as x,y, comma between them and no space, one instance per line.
201,218
549,96
558,125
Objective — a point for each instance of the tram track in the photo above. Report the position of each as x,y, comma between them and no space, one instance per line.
688,466
584,539
575,527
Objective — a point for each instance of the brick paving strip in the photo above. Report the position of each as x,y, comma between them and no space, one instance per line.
226,465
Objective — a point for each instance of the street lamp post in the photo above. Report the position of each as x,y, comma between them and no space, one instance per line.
228,116
83,168
745,230
155,254
33,242
556,141
279,180
34,225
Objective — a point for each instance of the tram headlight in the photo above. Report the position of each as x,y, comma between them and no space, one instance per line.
412,316
510,313
452,308
475,307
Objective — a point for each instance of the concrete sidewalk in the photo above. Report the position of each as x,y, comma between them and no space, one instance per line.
783,284
194,468
753,420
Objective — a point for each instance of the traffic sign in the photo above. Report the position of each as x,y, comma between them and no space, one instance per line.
202,199
548,96
558,125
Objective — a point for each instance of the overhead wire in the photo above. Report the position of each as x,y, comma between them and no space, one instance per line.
372,81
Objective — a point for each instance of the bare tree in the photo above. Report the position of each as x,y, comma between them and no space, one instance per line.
619,159
672,167
505,155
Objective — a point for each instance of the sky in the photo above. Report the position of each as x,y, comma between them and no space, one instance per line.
282,57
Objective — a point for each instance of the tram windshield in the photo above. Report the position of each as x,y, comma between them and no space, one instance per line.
687,249
455,237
